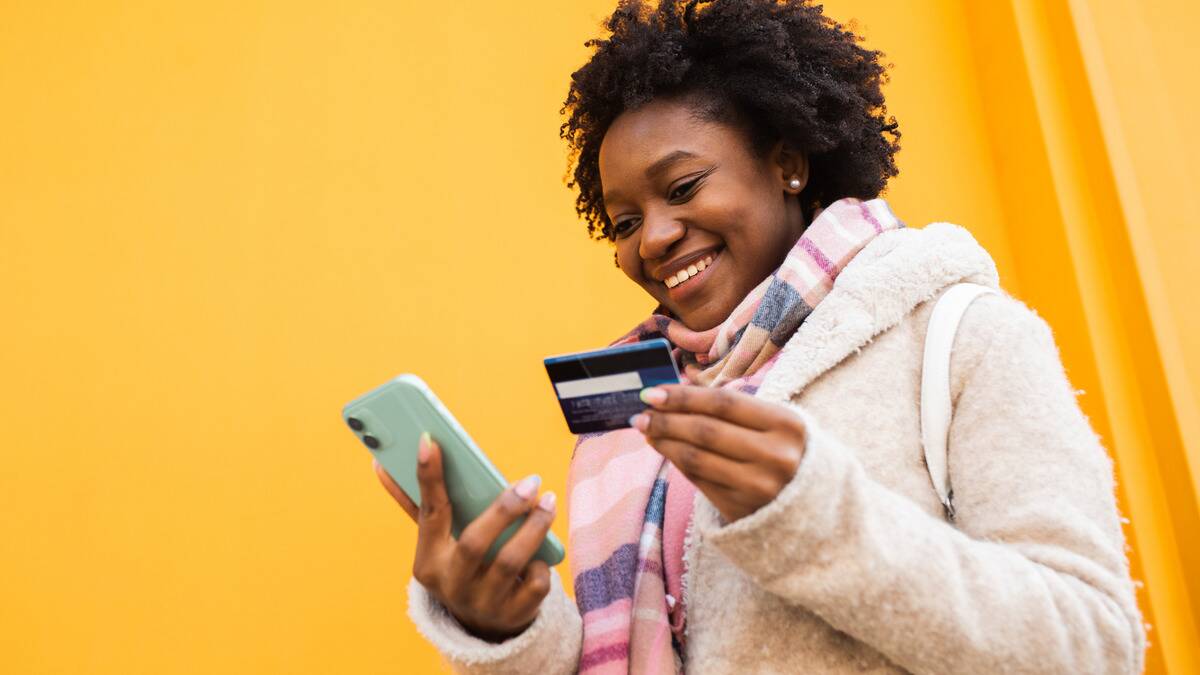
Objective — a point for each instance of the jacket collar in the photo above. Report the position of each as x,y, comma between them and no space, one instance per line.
893,274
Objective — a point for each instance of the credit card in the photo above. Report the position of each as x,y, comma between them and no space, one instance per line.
598,390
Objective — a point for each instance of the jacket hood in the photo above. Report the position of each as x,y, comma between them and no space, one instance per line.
890,277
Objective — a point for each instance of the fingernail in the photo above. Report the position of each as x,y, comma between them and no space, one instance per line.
423,449
653,396
640,421
528,486
546,503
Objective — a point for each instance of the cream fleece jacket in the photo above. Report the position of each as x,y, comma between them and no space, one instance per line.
853,567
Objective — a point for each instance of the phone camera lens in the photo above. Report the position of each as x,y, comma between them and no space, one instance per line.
355,423
371,441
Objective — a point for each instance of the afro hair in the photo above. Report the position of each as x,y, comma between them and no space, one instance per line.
778,69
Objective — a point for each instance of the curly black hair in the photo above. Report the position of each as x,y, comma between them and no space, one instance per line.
778,69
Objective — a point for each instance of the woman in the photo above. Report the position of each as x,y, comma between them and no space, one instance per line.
774,513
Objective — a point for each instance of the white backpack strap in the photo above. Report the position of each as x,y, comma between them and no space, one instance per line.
935,382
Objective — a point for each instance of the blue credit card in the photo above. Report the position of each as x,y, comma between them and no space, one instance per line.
598,390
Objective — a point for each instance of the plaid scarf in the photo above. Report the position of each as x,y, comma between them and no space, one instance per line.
630,509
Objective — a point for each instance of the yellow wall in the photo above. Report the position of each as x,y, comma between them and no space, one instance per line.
220,221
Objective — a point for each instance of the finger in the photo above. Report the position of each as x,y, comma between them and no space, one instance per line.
725,499
699,464
712,433
732,406
435,515
477,537
396,491
527,597
516,553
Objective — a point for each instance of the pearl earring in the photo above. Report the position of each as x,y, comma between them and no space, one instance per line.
794,183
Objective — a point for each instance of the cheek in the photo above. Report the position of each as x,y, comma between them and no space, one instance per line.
755,243
737,213
760,226
628,259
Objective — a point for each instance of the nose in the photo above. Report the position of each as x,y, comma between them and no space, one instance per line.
659,234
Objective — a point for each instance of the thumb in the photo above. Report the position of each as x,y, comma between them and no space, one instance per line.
435,515
396,491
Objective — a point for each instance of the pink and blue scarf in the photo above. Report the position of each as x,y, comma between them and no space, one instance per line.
630,509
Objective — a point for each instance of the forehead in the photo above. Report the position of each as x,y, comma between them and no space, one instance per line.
638,138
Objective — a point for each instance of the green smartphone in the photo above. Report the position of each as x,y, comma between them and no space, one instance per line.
390,419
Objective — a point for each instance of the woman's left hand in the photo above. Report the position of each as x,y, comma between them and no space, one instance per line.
738,450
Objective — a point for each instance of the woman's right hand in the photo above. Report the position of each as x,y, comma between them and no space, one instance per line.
496,600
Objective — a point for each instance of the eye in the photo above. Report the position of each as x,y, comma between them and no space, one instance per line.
622,228
684,190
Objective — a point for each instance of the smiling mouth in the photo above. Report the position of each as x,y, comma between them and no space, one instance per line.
684,275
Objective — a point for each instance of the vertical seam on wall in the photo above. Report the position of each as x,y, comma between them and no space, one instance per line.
1077,188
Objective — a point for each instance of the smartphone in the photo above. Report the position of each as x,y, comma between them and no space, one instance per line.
390,419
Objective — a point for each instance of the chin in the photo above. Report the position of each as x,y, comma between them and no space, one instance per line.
709,313
702,319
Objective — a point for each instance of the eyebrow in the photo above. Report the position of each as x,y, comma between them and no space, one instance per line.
664,163
656,169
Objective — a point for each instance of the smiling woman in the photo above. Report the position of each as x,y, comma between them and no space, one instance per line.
665,169
774,513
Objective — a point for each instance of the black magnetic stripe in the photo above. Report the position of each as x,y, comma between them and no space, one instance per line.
608,364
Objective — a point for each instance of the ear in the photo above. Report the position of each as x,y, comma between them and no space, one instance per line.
789,162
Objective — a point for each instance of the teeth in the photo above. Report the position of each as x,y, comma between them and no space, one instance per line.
687,273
